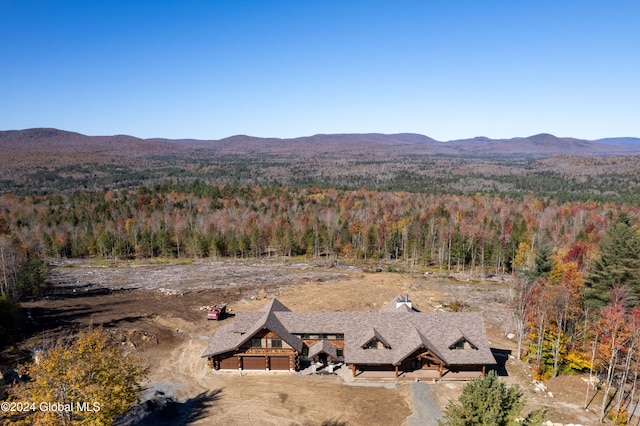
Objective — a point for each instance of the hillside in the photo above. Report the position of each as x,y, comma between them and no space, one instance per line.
43,161
543,145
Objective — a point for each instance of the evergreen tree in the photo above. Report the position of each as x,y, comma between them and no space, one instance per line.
8,319
544,264
488,401
617,263
32,277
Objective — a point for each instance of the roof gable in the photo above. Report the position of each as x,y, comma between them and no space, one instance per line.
461,339
270,322
373,334
274,306
414,341
323,346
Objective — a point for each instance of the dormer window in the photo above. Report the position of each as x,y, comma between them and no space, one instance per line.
462,344
374,340
375,344
372,344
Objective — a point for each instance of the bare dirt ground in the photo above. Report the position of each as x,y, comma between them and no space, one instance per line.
156,310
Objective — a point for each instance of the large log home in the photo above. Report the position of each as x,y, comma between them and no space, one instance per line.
397,341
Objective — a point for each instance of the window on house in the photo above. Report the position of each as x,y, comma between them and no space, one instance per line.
276,343
256,342
373,344
339,351
460,344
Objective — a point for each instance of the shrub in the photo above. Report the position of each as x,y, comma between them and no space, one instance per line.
488,401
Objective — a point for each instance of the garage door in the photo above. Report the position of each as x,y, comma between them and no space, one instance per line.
229,363
279,362
253,363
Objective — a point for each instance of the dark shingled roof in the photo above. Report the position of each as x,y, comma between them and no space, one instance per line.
273,306
404,332
231,336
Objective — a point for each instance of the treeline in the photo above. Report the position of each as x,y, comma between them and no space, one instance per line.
466,233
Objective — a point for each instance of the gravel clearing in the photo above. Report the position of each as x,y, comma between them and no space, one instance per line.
179,276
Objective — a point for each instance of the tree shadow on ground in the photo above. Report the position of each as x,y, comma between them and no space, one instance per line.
76,292
164,410
67,309
501,356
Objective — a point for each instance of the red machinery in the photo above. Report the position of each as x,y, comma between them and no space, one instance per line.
217,312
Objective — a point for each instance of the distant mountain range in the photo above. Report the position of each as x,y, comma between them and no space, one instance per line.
49,141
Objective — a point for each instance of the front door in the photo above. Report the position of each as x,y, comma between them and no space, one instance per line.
416,364
322,357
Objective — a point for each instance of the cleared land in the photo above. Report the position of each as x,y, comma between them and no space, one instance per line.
156,310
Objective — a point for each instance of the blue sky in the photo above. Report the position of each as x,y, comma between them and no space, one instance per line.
212,69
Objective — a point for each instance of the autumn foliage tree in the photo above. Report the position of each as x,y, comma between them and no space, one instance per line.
614,335
554,315
473,234
89,377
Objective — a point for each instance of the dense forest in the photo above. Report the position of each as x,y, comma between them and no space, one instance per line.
480,233
563,178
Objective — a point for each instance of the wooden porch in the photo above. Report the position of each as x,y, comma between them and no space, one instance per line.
433,375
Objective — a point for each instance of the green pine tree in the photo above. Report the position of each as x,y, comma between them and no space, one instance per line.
617,263
488,401
32,277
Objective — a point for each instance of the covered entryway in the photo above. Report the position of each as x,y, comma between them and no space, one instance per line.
279,363
422,363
